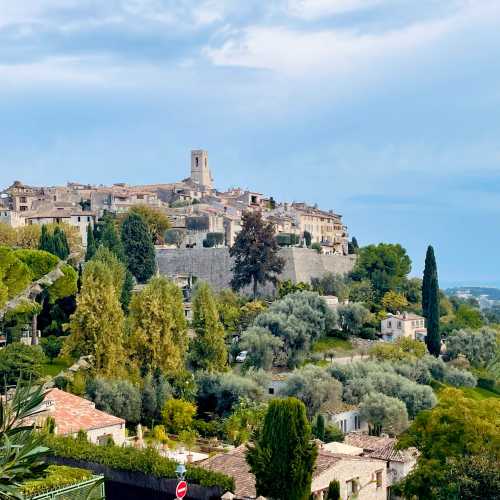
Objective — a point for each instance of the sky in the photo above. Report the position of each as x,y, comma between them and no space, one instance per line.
386,111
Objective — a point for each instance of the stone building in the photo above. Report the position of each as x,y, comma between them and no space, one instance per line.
200,171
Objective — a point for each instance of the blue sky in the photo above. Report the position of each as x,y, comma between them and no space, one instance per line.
387,111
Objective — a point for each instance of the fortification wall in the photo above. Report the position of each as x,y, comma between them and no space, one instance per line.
213,265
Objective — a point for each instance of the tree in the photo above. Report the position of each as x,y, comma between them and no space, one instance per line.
138,247
287,287
106,234
157,221
479,347
51,346
319,427
8,235
128,286
430,303
352,317
314,387
28,236
118,397
456,433
178,415
208,349
283,456
255,254
393,301
20,362
245,420
384,414
333,490
174,237
91,244
23,452
331,284
404,348
262,347
307,238
158,327
97,324
114,265
385,265
155,392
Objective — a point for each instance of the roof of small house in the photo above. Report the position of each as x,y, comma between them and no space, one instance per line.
380,447
405,316
233,463
72,413
337,407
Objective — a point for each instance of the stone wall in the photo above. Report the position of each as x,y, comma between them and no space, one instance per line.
213,265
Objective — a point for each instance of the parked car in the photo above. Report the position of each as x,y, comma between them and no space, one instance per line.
242,356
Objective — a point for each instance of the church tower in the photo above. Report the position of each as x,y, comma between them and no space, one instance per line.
200,172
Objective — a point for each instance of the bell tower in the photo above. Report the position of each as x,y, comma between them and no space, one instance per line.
200,171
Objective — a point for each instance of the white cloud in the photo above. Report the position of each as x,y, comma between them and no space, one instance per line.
314,9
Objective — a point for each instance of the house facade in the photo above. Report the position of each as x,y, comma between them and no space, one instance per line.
403,325
346,417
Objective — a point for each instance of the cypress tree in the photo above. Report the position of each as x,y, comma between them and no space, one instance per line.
333,491
283,456
46,241
208,350
319,428
126,294
138,247
91,245
430,270
430,303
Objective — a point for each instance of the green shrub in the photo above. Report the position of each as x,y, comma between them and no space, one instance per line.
147,461
39,262
55,477
65,286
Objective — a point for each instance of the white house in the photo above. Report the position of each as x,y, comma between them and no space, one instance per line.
403,325
345,416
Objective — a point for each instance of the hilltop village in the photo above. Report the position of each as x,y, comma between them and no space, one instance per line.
174,339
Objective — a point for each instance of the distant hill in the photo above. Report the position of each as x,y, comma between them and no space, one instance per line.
489,293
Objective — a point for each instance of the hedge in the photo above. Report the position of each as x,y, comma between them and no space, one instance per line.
147,461
54,478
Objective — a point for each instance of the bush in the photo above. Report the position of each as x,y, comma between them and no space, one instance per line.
147,461
54,478
178,415
459,378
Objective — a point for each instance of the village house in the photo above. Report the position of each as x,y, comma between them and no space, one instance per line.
398,462
347,417
72,414
403,325
363,478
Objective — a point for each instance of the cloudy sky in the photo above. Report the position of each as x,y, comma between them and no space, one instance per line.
387,111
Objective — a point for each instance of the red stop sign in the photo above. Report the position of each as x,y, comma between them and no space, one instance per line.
181,490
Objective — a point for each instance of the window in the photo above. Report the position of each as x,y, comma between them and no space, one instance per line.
23,208
271,390
197,161
379,478
399,324
357,423
389,324
23,199
88,218
79,218
352,487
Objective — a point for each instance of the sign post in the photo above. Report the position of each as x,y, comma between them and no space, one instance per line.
181,490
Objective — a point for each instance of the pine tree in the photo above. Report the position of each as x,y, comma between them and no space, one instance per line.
208,350
255,253
91,244
138,247
158,328
97,325
283,456
430,303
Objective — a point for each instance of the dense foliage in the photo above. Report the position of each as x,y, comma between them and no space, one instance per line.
20,361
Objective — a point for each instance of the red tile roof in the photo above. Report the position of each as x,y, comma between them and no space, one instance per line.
72,413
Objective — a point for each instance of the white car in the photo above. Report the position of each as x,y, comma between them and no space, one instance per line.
242,356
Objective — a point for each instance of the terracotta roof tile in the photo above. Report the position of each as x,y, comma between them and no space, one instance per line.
72,413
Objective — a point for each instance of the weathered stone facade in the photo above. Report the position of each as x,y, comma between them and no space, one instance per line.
213,265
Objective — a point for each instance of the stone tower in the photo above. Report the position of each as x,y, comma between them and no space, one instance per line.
200,172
